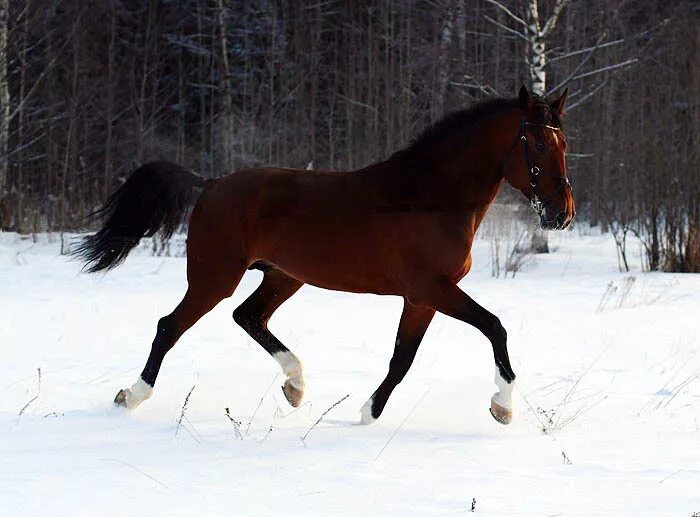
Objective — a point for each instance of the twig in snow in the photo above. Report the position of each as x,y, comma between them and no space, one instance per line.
537,413
259,404
199,438
473,504
184,409
282,414
552,420
139,471
266,434
609,290
674,392
321,418
402,423
670,475
186,428
572,390
626,288
38,392
236,424
565,458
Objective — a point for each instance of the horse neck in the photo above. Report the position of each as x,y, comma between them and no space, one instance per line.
471,173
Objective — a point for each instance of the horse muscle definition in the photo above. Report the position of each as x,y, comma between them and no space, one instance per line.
403,227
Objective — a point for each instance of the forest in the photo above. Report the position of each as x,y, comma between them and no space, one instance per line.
90,89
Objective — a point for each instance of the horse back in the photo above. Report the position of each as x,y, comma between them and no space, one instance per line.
333,229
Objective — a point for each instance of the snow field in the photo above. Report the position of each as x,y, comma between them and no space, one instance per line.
614,382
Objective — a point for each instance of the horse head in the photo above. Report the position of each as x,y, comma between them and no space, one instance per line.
536,163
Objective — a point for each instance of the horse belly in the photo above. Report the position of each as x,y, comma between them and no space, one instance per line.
381,254
339,253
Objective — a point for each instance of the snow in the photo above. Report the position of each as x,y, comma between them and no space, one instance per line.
615,384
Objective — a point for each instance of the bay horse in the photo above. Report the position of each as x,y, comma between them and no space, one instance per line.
404,226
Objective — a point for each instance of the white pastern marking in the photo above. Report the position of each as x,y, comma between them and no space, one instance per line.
504,397
366,412
139,392
292,368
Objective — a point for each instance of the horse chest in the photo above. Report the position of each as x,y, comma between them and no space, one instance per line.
443,250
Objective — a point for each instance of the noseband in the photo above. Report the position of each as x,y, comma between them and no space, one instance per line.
534,171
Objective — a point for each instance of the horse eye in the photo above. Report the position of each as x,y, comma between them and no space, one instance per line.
540,147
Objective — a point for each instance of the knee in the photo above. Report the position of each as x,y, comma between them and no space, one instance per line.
496,330
240,317
166,326
165,334
249,321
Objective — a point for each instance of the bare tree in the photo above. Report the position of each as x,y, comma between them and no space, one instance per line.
4,98
89,89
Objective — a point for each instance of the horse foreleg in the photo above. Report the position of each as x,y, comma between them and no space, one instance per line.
254,313
412,327
452,301
207,287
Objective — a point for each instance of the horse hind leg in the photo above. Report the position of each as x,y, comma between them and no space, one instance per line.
254,313
209,283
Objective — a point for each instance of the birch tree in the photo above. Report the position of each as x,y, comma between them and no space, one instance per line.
534,30
4,97
443,60
226,86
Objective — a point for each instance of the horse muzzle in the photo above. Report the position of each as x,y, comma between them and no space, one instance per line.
559,222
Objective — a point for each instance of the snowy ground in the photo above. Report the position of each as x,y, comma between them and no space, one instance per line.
615,384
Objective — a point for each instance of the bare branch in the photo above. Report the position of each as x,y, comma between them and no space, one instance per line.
508,12
552,20
506,28
606,68
474,83
587,96
580,65
584,50
46,69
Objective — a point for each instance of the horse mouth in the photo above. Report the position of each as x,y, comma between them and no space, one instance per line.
561,222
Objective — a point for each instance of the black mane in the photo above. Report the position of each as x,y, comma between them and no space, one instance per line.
456,124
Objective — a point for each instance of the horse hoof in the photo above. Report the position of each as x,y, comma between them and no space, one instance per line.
120,399
500,414
366,417
292,394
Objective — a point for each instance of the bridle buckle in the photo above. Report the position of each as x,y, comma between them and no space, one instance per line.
537,205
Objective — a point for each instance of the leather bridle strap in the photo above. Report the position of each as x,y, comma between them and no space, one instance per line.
534,171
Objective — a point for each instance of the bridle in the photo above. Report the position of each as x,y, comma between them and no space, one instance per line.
534,171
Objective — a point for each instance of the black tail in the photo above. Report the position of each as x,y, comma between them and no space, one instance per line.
156,197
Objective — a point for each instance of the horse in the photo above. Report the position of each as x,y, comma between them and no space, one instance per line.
403,226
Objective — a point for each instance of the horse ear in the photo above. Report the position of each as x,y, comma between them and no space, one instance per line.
558,104
524,98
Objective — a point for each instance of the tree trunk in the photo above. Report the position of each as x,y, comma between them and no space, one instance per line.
536,57
226,118
107,174
443,62
536,61
4,105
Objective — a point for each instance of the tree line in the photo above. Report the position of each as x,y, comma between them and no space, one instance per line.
90,89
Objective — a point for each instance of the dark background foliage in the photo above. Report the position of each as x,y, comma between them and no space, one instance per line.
90,89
